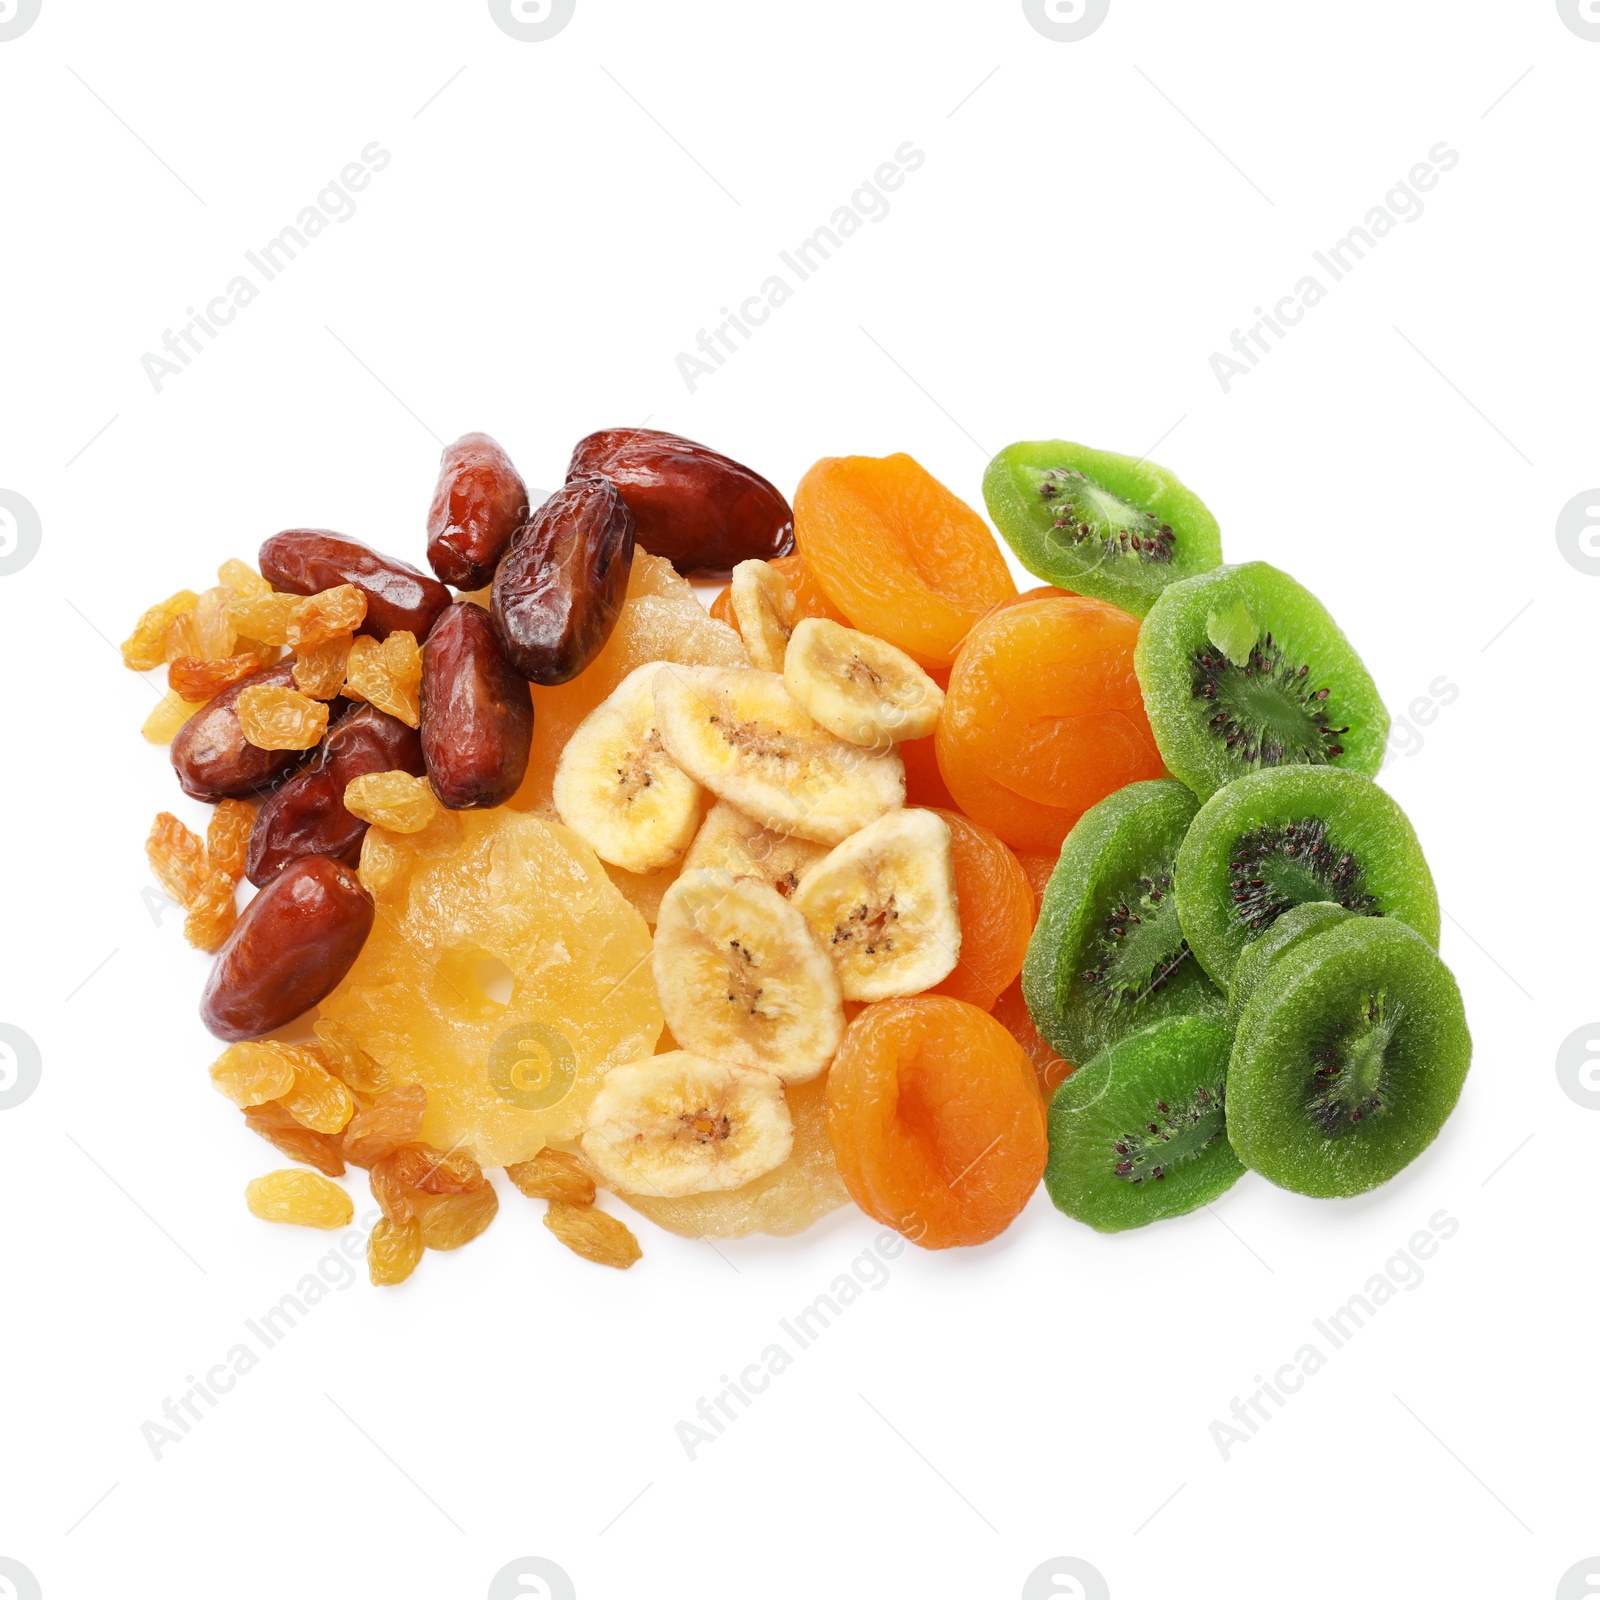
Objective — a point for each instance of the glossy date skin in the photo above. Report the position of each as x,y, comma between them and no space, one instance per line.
289,949
309,560
477,713
700,509
479,504
212,757
561,584
306,815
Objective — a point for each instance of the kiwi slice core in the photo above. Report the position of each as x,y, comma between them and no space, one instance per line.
1347,1084
1141,944
1244,671
1274,868
1163,1144
1086,513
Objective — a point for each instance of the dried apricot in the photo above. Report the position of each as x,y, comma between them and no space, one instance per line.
1044,718
275,718
997,914
935,1119
212,912
196,680
925,785
228,837
393,1119
145,648
1011,1011
393,1251
176,857
389,674
326,615
1037,870
250,1074
554,1175
394,800
897,553
306,1198
294,1139
592,1234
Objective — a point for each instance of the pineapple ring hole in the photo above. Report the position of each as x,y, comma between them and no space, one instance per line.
478,982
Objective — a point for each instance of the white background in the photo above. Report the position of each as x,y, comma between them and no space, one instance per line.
1092,221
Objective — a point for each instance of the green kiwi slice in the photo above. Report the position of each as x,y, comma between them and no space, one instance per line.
1278,839
1244,671
1107,955
1115,528
1349,1057
1297,923
1141,1132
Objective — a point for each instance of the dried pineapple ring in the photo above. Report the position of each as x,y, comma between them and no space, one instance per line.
503,1079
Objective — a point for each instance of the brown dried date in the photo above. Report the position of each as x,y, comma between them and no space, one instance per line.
477,713
479,504
212,757
289,949
307,816
700,509
309,560
558,591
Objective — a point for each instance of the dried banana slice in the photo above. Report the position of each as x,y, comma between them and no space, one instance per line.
739,845
766,610
738,732
680,1124
741,978
618,789
861,688
883,905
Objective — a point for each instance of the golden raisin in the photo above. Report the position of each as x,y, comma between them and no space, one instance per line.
212,912
250,1074
145,648
420,1166
317,618
228,837
347,1061
299,1143
263,616
594,1235
319,668
176,857
318,1100
194,678
388,674
398,1201
392,800
452,1220
170,714
393,1251
281,719
384,863
393,1119
242,578
553,1175
214,632
289,1195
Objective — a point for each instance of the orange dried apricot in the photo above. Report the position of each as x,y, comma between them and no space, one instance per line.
1043,718
935,1120
1012,1013
1037,869
997,912
897,553
925,785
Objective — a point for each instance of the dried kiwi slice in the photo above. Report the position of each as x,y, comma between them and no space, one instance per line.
1140,1133
1243,670
1115,528
1349,1057
1279,839
1297,923
1107,956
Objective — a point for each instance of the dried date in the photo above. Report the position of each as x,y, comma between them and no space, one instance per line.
212,757
309,560
479,504
477,713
